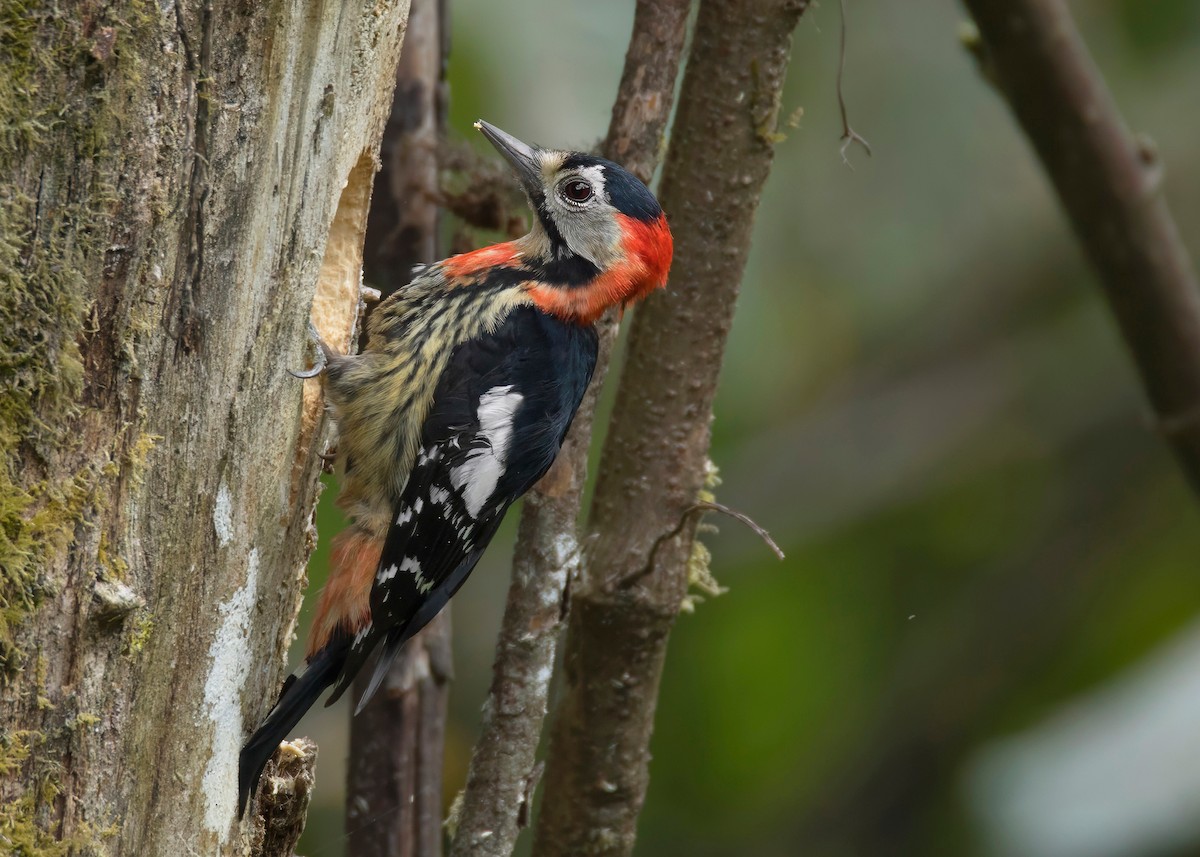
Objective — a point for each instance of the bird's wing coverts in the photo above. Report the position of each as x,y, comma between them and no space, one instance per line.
499,415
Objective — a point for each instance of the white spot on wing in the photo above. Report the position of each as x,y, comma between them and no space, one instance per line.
386,574
413,566
478,475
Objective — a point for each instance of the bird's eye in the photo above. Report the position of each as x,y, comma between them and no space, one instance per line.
576,190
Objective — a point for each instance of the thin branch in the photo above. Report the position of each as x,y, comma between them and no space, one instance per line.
693,512
849,135
653,465
495,805
1109,182
745,520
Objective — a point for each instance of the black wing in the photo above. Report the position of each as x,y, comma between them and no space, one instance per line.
499,415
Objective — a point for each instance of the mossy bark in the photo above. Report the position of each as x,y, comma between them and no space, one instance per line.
180,184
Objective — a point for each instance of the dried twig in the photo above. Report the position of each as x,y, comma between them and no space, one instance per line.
849,135
744,519
690,514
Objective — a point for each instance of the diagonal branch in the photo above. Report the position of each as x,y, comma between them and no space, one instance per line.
502,773
653,465
1109,182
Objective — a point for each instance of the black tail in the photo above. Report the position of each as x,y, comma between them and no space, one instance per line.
298,695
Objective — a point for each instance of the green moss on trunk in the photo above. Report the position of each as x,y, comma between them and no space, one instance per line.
63,74
23,819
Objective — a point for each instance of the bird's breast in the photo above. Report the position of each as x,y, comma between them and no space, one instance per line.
382,397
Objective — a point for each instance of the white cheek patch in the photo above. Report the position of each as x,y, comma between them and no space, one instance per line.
590,231
478,476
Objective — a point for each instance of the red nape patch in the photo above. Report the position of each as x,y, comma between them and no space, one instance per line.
646,250
346,599
466,264
651,245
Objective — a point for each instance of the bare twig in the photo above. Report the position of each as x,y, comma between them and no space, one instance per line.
849,135
695,511
745,520
494,805
653,465
1109,184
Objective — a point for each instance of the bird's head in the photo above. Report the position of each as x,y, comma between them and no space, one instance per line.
599,237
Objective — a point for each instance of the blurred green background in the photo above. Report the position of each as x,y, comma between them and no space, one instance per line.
984,640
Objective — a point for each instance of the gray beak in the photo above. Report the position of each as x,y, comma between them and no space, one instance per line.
520,156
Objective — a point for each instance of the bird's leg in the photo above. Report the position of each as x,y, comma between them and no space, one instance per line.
324,353
328,458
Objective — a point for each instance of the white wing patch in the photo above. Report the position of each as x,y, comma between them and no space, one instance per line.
478,476
413,566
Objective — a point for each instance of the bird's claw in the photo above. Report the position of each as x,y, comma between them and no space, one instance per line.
322,359
316,370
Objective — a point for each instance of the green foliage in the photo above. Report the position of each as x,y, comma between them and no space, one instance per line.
1155,28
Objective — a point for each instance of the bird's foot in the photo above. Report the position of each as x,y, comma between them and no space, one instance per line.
322,359
328,458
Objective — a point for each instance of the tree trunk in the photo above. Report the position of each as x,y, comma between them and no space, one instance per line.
397,742
504,772
653,467
180,184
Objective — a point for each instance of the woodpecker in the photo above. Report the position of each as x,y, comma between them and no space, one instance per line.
459,403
